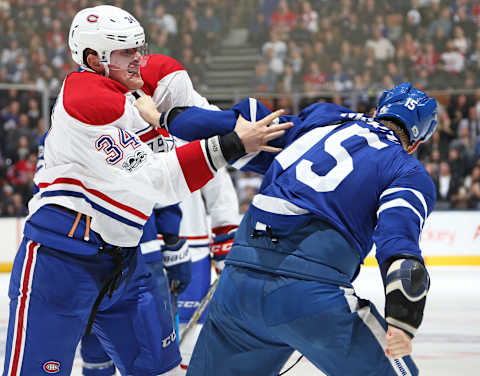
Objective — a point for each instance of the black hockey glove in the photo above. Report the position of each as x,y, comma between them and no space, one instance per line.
406,282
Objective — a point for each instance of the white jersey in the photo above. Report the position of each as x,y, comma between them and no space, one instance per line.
94,163
167,82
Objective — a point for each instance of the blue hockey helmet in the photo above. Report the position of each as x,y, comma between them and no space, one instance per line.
412,107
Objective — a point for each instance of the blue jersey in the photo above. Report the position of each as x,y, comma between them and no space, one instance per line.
342,183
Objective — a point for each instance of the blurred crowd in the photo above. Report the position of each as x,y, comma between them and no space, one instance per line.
318,45
343,47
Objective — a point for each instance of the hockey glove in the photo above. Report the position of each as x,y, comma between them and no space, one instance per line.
177,262
406,286
221,243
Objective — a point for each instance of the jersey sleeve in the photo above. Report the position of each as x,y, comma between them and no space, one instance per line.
168,219
221,200
403,208
196,123
176,90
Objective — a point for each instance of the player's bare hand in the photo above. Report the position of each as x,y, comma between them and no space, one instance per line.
256,135
147,110
399,344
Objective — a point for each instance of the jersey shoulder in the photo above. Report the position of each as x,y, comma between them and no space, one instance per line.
157,67
93,99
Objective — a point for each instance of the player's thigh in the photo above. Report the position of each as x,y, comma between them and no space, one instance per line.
47,312
335,330
234,341
190,299
136,331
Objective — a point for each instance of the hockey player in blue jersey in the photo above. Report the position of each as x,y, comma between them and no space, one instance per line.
343,182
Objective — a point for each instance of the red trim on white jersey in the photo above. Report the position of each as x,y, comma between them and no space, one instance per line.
21,316
201,237
96,193
157,67
93,99
152,134
196,170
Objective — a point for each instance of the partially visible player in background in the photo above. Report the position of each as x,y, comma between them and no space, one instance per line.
343,182
169,85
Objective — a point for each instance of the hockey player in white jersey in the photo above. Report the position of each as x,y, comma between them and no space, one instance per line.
97,188
169,85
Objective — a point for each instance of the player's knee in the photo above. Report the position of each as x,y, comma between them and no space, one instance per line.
98,369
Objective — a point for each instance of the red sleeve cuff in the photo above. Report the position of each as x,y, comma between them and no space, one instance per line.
194,165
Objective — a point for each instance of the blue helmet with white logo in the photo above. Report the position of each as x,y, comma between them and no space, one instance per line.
412,107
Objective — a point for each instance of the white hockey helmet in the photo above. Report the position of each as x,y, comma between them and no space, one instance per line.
104,29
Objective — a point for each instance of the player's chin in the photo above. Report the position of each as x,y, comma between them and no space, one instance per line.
133,80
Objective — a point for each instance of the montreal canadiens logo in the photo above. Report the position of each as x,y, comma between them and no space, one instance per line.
51,367
92,18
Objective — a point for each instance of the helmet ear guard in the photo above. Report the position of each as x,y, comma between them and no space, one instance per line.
413,108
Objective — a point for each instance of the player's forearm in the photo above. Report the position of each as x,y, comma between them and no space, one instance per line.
194,123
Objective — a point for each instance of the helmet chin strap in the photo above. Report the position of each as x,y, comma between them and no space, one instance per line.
106,72
413,147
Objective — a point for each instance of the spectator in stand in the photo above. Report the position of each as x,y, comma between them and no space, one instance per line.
382,48
261,80
10,116
48,81
458,163
340,80
287,80
194,66
160,44
453,60
321,56
369,11
354,31
314,80
466,23
199,40
459,41
445,186
473,122
413,22
10,54
274,53
466,145
427,59
258,31
18,144
444,23
283,19
392,70
164,20
308,18
210,25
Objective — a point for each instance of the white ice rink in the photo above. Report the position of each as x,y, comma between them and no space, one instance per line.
448,343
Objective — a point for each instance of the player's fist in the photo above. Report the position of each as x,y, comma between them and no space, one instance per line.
148,111
221,243
399,343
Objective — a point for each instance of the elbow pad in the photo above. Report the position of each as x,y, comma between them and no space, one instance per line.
406,286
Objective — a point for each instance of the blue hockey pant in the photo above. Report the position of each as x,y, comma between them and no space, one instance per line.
256,320
51,296
190,299
96,361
